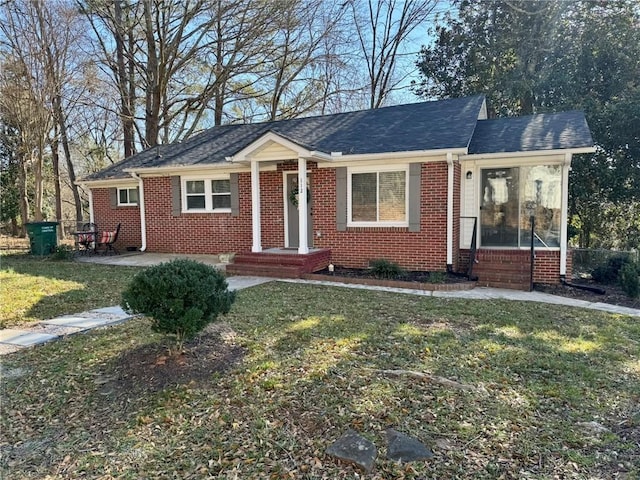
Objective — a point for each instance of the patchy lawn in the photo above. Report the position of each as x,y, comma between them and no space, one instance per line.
552,392
36,288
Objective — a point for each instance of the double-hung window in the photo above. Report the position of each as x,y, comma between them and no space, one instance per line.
127,197
377,196
207,195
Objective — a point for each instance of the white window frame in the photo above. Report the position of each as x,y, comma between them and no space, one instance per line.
378,169
208,194
129,202
478,200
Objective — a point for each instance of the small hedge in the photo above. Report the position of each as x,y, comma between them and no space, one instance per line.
609,273
181,297
630,279
385,269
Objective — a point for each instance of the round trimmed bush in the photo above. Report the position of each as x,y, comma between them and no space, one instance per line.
181,297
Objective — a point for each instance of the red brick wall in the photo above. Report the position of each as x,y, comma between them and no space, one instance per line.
355,247
107,219
217,233
195,232
546,266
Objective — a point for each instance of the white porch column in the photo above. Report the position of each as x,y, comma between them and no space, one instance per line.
564,214
256,245
450,172
303,242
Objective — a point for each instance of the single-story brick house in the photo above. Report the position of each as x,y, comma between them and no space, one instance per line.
408,183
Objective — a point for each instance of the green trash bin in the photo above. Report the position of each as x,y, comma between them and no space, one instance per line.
43,237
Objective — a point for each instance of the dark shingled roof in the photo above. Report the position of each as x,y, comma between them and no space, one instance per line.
436,125
442,124
544,131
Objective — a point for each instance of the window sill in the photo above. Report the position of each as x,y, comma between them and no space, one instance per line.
218,210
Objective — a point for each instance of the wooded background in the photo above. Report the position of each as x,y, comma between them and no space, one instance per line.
85,83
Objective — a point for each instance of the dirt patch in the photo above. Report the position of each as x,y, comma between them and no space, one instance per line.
153,367
613,295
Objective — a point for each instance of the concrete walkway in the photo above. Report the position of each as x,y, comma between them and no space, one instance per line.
12,340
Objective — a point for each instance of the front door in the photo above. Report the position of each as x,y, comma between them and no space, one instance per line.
292,233
500,208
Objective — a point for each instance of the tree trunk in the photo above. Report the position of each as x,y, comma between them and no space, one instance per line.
126,100
55,158
24,199
153,94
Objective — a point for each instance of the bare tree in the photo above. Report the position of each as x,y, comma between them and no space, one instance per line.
383,27
304,32
24,99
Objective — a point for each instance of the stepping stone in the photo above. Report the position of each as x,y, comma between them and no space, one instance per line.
83,322
116,310
403,448
23,338
355,449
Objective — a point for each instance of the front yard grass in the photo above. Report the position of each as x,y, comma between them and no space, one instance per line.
556,392
37,288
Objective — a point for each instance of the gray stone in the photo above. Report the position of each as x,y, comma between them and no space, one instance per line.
354,448
403,448
24,338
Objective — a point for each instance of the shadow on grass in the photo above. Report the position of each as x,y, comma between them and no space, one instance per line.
36,288
312,368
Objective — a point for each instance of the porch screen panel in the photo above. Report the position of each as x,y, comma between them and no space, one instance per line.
364,197
392,194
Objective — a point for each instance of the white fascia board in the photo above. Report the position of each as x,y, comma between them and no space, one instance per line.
345,161
532,153
364,157
111,183
415,156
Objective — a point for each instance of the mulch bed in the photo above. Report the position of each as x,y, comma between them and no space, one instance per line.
157,367
613,295
408,279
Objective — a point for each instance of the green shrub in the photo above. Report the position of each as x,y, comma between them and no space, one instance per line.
630,279
382,268
181,297
609,273
437,277
62,252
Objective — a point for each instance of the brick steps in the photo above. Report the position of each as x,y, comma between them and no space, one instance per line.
503,270
279,265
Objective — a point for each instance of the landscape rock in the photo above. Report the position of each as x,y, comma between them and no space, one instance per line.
403,448
355,449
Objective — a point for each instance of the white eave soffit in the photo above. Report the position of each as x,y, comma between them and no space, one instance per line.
522,154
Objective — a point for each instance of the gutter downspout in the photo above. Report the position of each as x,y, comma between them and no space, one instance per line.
450,179
91,206
143,219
